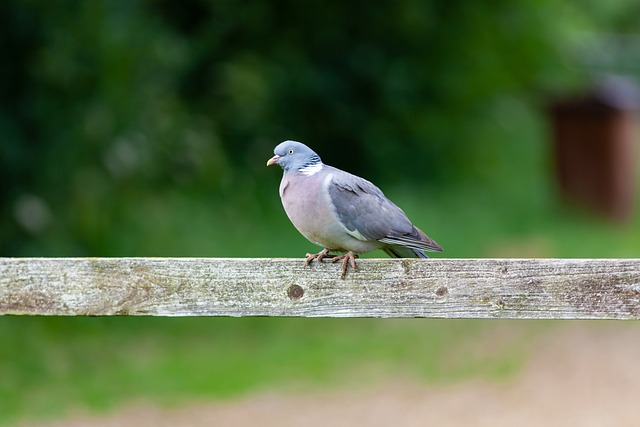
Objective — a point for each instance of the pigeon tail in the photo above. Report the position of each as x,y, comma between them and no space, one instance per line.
403,252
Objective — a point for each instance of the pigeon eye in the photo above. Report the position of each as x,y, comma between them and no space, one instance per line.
291,151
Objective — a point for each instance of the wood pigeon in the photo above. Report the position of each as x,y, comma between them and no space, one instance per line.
341,212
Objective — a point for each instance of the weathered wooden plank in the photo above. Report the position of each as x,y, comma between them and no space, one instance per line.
449,288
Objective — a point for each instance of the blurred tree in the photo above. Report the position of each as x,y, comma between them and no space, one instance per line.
104,105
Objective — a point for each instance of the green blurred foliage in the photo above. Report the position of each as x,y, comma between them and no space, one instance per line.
124,125
143,127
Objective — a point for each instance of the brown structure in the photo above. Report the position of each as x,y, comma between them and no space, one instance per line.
594,142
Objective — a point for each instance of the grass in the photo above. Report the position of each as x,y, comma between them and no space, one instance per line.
49,366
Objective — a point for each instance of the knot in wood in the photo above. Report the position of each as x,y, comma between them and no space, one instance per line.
442,291
295,292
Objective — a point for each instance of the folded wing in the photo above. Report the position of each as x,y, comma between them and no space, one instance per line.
368,215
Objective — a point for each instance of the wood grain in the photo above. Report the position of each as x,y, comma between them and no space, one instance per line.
445,288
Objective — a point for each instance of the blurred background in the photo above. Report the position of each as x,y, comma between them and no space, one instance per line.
142,128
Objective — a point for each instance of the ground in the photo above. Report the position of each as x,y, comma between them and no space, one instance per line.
580,373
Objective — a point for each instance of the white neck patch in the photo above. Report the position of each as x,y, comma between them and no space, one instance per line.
312,169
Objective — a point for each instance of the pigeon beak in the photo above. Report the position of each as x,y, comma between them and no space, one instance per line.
273,160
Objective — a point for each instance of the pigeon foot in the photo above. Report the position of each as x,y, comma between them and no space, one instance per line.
319,256
348,258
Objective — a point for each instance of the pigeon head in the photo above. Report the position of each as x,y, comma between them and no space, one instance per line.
294,156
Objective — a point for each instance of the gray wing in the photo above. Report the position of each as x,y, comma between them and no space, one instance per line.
369,215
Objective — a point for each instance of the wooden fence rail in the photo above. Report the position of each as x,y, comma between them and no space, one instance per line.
448,288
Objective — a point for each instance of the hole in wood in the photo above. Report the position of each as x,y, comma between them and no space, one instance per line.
295,292
442,291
